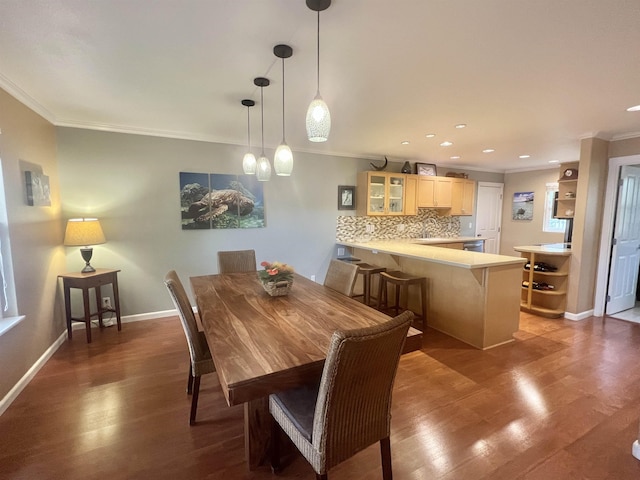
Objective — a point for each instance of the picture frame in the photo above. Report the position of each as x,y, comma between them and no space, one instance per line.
38,189
426,169
346,197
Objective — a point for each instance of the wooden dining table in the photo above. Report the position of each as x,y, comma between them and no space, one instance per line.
262,344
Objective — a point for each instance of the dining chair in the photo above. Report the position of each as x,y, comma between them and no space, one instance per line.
233,261
201,360
341,277
350,408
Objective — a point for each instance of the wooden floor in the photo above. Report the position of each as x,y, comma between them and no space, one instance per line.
562,402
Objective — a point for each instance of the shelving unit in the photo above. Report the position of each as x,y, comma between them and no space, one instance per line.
381,193
547,303
567,192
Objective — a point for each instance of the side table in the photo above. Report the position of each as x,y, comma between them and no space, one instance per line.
85,281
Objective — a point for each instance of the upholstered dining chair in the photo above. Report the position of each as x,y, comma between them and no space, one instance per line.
350,409
341,277
201,361
233,261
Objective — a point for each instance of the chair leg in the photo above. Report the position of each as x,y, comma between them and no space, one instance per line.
274,450
385,453
194,400
190,381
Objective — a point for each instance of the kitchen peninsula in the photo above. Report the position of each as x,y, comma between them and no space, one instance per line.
472,296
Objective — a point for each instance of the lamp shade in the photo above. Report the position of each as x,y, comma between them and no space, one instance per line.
283,160
249,163
263,169
318,120
83,232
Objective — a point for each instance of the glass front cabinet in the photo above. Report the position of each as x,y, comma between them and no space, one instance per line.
381,193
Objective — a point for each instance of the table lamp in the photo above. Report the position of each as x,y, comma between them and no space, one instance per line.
84,232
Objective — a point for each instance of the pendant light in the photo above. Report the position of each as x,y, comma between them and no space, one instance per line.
249,160
283,158
318,115
263,167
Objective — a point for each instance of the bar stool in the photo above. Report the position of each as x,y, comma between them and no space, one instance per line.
401,281
367,271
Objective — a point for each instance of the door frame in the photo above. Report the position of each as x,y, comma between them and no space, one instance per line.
608,214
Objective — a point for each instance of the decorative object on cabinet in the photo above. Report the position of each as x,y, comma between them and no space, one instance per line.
38,191
425,169
346,197
544,287
406,168
283,158
220,201
84,232
318,119
379,169
249,159
522,206
457,175
263,167
570,174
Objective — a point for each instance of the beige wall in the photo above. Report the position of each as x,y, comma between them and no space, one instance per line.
526,232
28,142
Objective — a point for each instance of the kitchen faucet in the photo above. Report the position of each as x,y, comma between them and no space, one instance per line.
425,231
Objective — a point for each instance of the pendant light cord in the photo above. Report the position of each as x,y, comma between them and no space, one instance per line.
248,129
318,55
262,117
283,136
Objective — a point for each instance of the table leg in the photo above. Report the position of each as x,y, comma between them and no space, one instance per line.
257,431
116,300
87,312
99,304
67,309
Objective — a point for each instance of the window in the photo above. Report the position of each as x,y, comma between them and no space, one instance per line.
550,224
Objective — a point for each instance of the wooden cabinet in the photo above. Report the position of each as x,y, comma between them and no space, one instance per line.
567,190
434,192
463,194
544,290
383,193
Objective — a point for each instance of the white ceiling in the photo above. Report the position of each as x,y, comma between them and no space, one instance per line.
527,76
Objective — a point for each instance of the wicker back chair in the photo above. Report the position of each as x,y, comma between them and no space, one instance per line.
233,261
341,277
351,407
201,361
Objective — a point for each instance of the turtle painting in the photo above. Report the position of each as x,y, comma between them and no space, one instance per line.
217,202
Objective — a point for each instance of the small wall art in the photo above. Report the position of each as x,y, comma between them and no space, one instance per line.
220,201
523,206
38,191
346,197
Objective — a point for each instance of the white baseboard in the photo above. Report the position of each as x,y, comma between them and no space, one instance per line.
35,368
635,449
578,316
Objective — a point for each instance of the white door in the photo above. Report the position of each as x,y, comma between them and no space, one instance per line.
625,252
489,215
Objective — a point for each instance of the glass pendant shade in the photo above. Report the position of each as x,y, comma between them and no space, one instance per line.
249,163
318,120
283,160
263,169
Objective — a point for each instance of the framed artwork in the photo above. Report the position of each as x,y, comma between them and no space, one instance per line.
426,169
38,192
346,197
523,206
219,201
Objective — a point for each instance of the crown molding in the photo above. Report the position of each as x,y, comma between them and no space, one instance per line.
16,92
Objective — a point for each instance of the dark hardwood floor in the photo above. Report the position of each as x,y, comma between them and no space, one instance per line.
562,402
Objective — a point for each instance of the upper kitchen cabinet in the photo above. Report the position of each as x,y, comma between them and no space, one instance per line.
434,192
384,193
463,194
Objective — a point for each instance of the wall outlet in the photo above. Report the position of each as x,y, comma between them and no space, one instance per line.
470,224
370,228
106,302
313,278
340,252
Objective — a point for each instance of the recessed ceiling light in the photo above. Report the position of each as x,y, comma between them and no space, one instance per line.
461,125
446,144
635,108
455,157
524,156
430,135
488,150
405,142
554,161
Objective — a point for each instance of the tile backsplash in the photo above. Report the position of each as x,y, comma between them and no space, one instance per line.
402,226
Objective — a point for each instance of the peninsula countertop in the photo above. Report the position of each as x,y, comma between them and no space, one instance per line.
420,249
